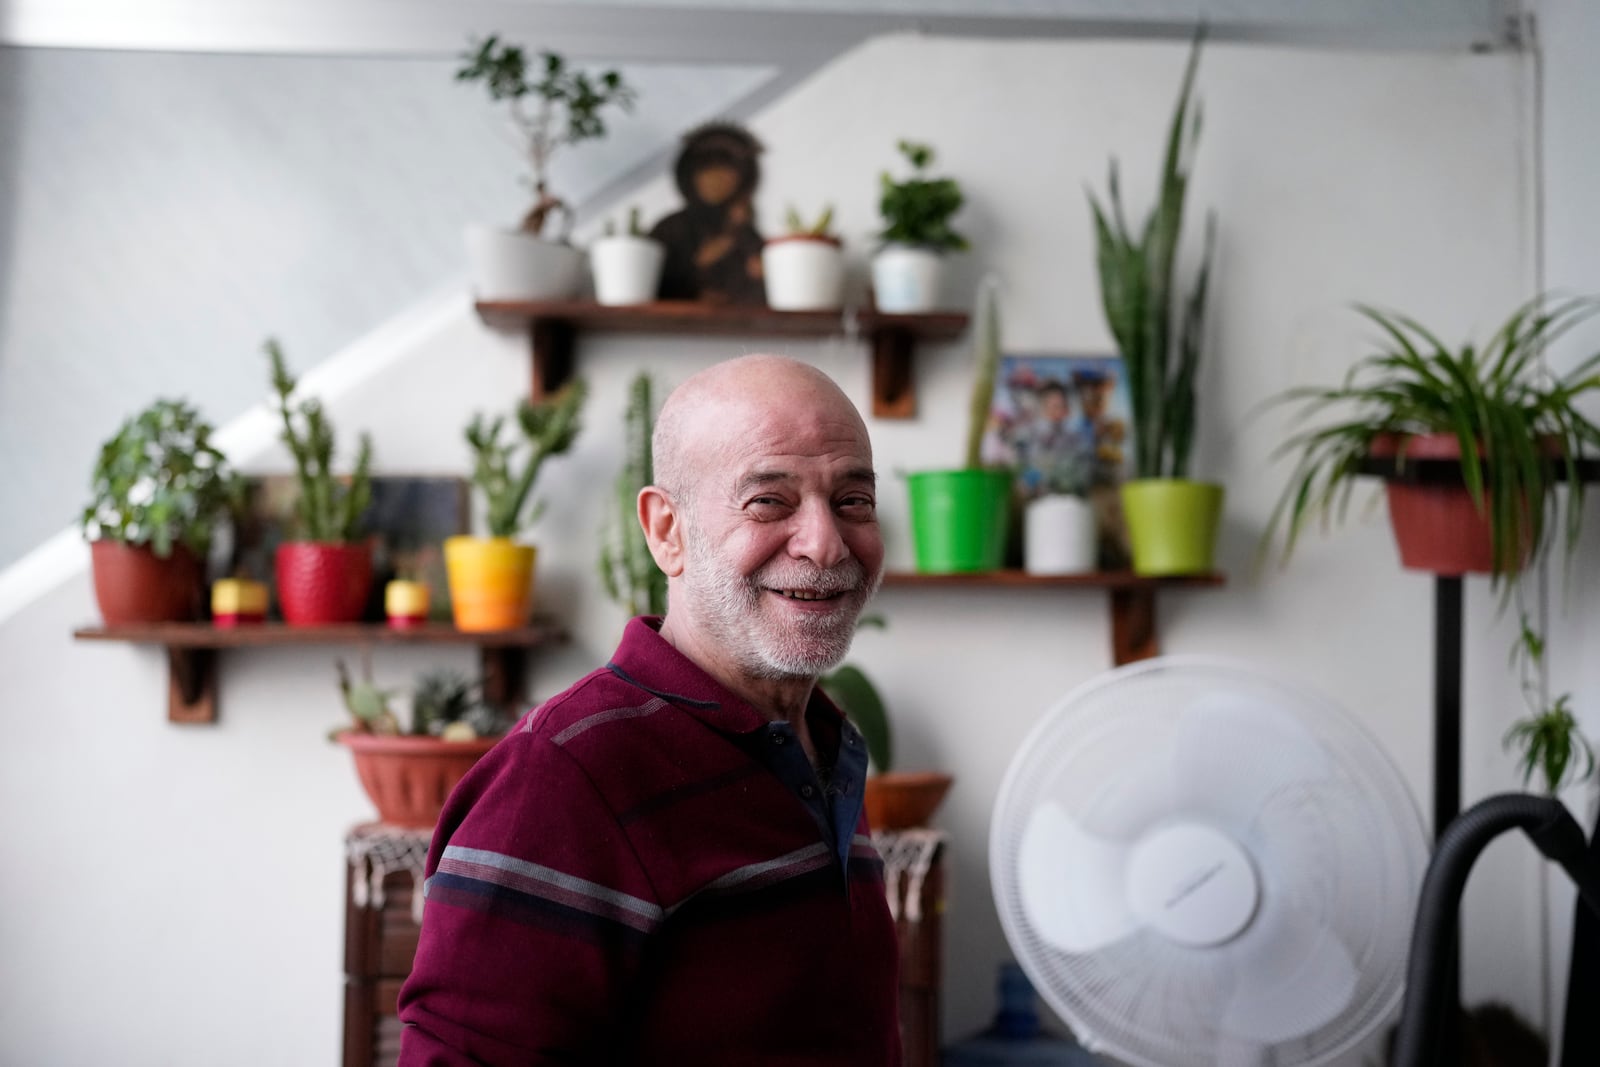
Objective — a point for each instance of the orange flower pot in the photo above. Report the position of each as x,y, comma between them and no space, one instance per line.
491,582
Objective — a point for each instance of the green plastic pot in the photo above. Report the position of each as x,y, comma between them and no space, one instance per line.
958,519
1172,525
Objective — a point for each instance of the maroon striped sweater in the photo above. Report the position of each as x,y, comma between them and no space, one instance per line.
647,871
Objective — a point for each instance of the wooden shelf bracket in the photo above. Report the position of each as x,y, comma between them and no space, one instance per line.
192,685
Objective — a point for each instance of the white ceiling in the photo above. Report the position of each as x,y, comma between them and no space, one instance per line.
738,31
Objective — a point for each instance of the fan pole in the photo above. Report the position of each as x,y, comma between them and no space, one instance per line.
1447,788
1446,701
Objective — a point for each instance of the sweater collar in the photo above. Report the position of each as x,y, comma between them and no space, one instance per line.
646,659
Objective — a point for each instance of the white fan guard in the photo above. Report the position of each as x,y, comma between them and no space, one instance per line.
1199,864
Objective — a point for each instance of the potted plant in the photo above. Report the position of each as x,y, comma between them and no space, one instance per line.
409,773
491,578
550,105
627,569
159,490
907,272
895,800
804,269
324,574
959,518
1159,330
626,266
1473,442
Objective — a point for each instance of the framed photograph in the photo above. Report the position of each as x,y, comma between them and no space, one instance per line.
1064,421
406,523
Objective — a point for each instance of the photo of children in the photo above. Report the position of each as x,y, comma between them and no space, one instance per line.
1062,422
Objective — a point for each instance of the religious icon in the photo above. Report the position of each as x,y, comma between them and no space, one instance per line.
713,247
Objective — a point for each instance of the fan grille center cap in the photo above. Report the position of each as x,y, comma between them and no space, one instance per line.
1192,883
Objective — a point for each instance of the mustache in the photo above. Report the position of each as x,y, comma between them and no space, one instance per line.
843,578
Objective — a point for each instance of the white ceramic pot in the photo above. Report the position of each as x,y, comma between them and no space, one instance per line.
514,265
1059,536
906,279
803,273
626,268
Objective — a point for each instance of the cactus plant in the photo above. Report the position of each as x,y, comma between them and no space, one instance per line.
548,429
627,569
327,509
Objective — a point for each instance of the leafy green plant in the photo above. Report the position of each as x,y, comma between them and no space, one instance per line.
1158,329
1551,741
550,105
328,508
1518,427
627,569
797,226
159,481
1519,431
918,210
855,694
505,471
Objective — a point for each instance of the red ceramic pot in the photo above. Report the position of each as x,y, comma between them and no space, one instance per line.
132,584
322,582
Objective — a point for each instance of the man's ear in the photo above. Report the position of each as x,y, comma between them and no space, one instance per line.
663,529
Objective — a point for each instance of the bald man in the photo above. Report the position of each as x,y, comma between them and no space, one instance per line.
669,863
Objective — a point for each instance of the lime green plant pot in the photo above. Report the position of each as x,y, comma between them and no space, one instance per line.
1172,525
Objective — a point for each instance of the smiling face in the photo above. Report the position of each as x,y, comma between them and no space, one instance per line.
774,548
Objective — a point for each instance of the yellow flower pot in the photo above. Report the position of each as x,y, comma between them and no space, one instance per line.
491,582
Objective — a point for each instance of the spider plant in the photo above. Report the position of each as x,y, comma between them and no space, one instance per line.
1519,433
1517,425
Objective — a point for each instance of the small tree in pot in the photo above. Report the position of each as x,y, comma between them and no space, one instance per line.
160,489
550,105
491,578
325,573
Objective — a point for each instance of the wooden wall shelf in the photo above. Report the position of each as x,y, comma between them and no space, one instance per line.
1131,598
553,327
192,648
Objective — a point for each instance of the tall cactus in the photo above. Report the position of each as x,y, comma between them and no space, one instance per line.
627,569
327,509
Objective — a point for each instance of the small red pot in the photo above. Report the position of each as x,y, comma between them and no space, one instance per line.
322,582
132,584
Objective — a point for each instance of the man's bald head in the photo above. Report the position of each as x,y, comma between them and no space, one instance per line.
713,407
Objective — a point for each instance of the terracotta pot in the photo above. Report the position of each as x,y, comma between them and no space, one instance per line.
1437,528
408,778
322,582
132,584
903,799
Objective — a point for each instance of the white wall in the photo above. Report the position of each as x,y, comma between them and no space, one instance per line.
192,876
1569,34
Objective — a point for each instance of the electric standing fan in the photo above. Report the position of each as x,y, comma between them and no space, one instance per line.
1199,864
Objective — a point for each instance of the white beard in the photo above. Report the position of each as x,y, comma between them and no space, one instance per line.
728,607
